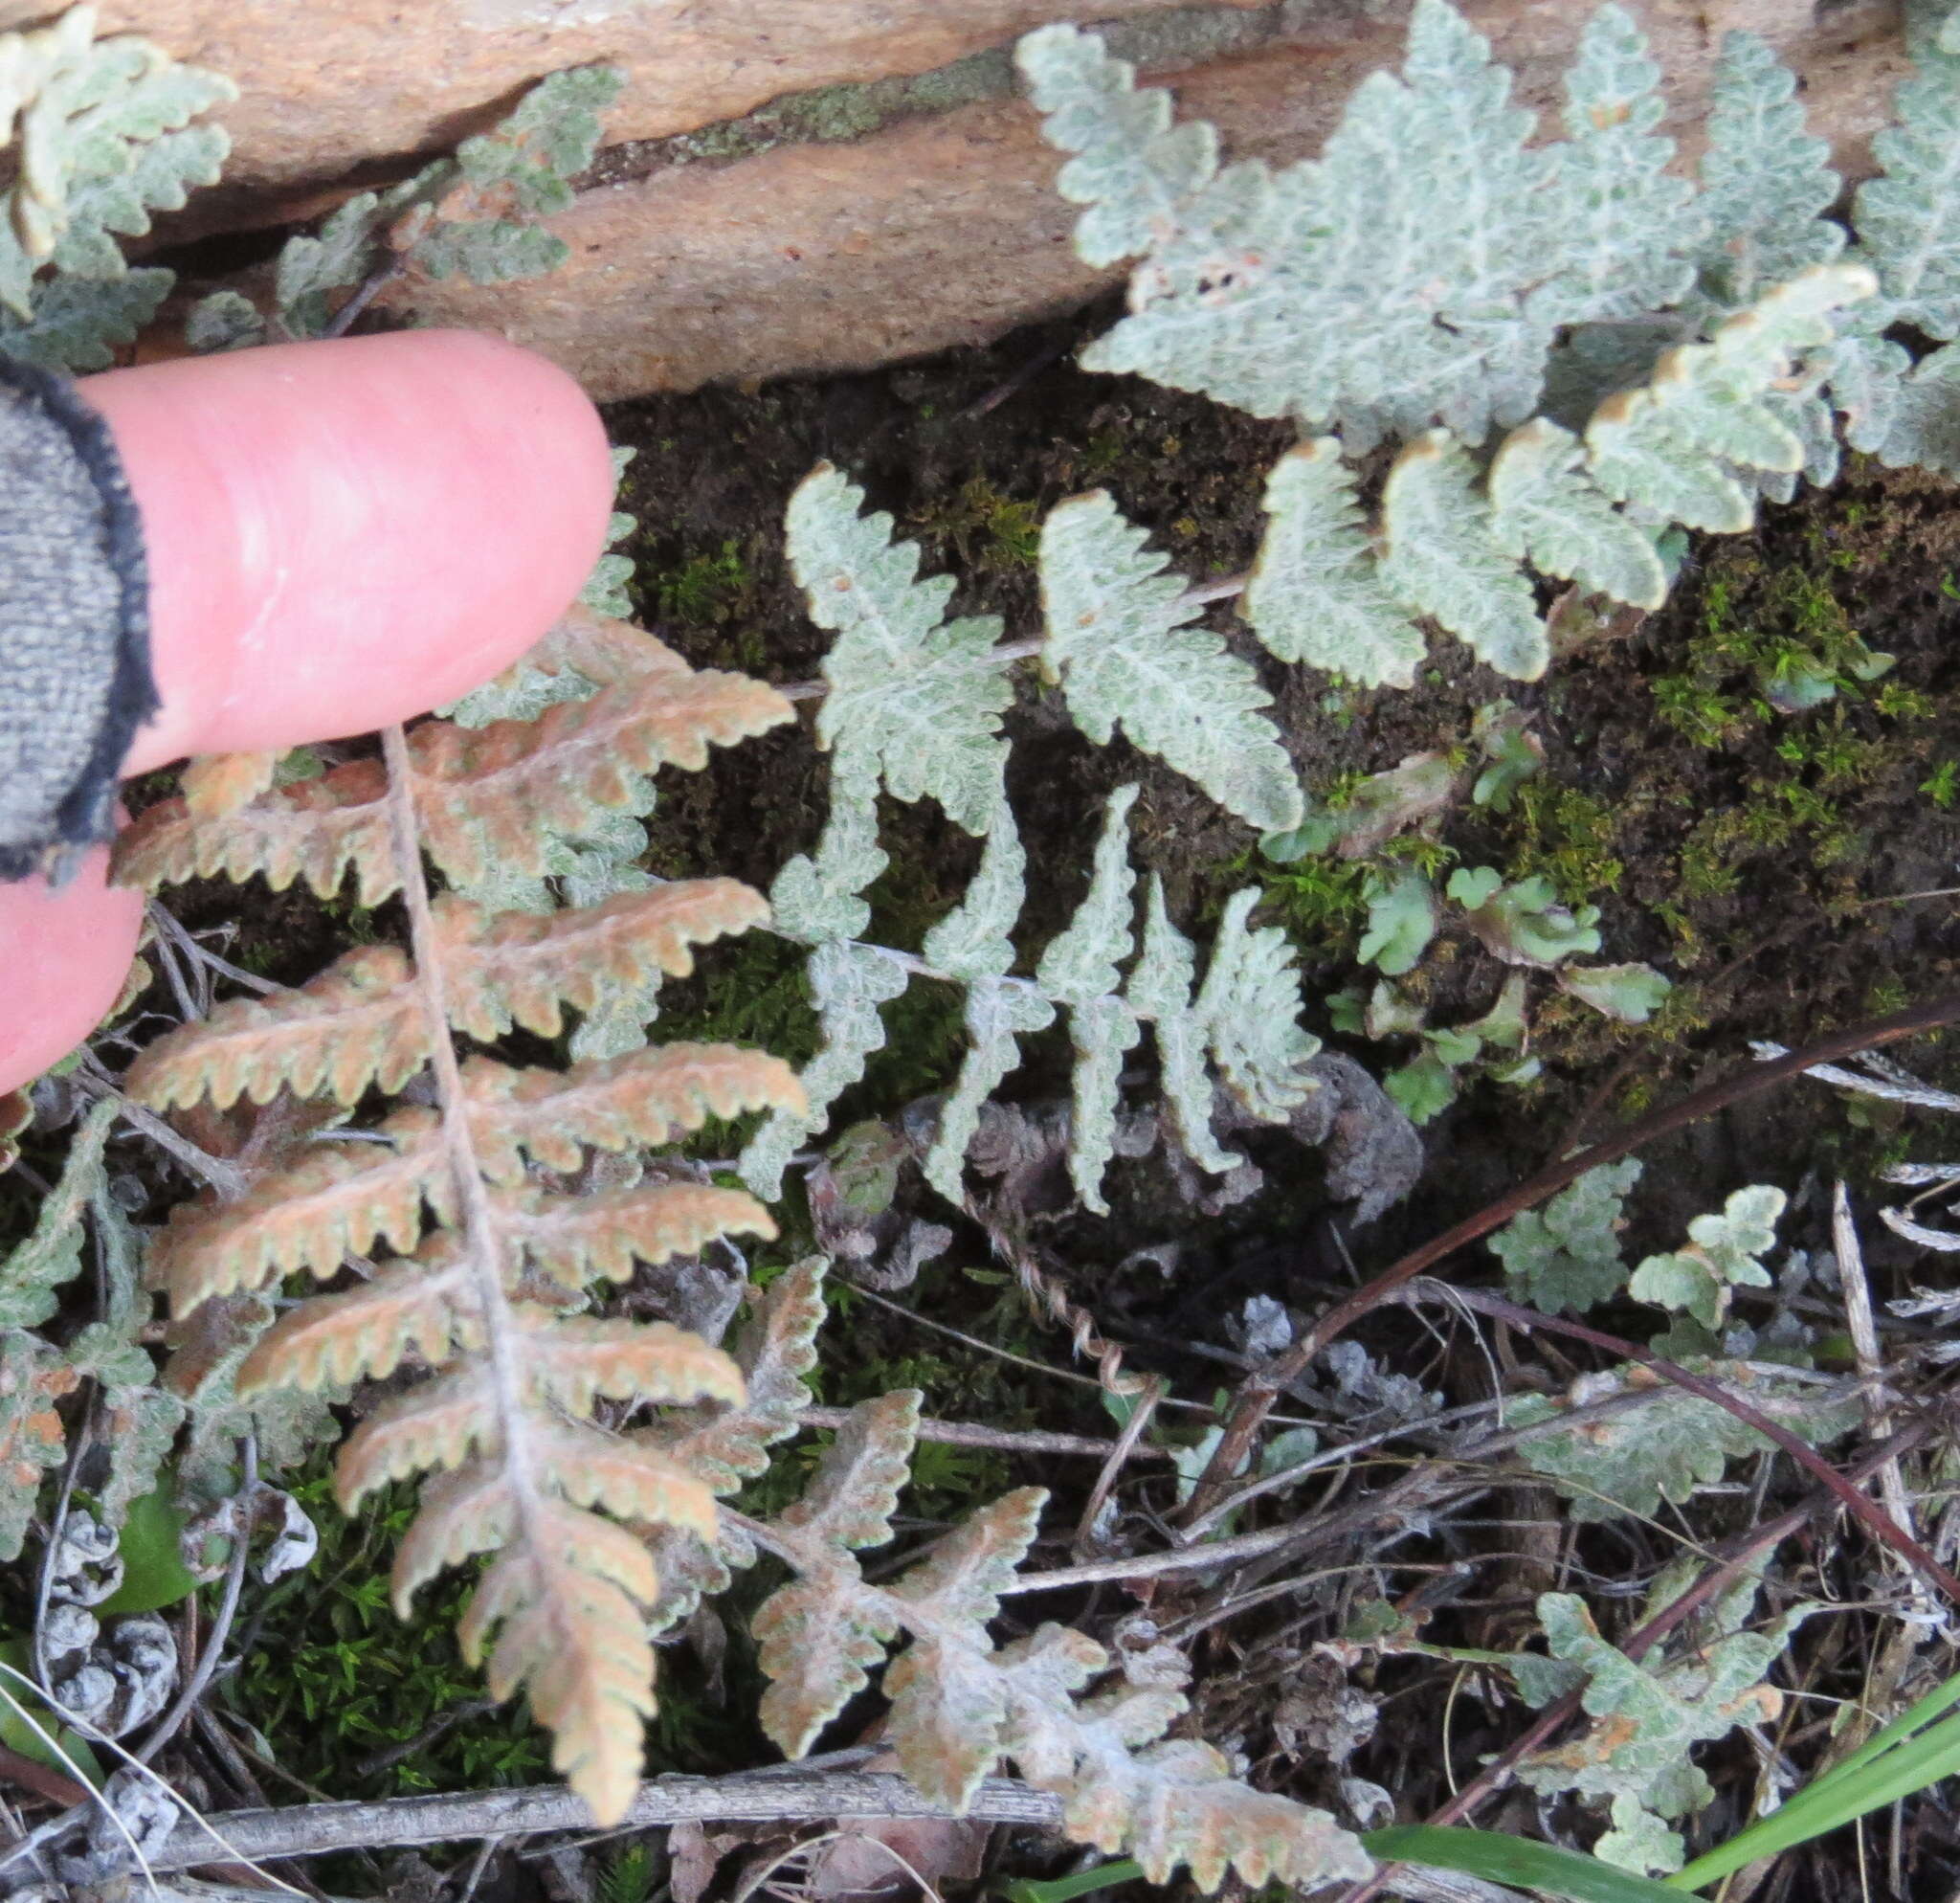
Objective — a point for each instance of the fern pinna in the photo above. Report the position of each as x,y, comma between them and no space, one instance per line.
474,1188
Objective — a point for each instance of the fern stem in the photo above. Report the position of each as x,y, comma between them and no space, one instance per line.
483,1243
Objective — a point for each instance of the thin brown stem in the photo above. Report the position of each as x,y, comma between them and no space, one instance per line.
1859,1503
1259,1390
1738,1554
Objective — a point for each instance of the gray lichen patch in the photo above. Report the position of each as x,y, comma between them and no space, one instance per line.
1175,38
75,673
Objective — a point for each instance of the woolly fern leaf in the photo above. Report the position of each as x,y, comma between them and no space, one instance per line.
1159,989
1117,639
1250,1010
1566,1256
1670,1444
51,1253
815,897
1133,169
847,983
819,1637
1546,509
1441,558
1669,446
1766,181
914,699
973,940
1426,183
1908,218
1078,970
1627,222
1649,1714
103,136
998,1013
1314,593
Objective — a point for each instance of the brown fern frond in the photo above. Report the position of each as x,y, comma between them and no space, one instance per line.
482,794
775,1348
851,1499
962,1578
420,1308
643,1099
574,1360
591,1468
519,967
435,1426
496,794
313,830
220,783
817,1639
570,1634
359,1023
605,651
469,1510
575,1240
949,1713
335,1201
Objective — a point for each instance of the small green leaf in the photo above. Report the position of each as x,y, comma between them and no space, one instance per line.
154,1573
1401,921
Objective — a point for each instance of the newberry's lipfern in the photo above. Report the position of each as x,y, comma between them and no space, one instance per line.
492,1252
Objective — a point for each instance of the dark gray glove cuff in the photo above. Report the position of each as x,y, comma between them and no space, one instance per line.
75,668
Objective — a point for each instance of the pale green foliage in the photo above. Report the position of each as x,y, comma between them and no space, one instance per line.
605,591
1546,509
1249,1007
1079,970
959,1705
1766,181
912,699
1441,556
137,1423
1630,993
475,214
1133,170
1669,1444
1315,595
1314,292
1401,921
1159,990
1724,1252
1625,220
1565,1258
1650,1715
104,139
1523,923
816,897
1670,445
1117,639
848,982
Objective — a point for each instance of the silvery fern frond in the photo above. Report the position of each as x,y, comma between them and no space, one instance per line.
915,701
1119,640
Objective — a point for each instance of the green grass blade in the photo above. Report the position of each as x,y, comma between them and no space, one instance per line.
1063,1889
1854,1789
1515,1860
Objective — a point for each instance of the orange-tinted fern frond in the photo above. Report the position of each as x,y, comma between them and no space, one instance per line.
641,1100
222,783
496,794
431,1428
420,1306
334,1201
605,651
359,1023
566,1607
520,968
313,830
574,1239
574,1360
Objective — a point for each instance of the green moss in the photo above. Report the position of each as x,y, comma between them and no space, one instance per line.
985,528
1567,836
704,587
